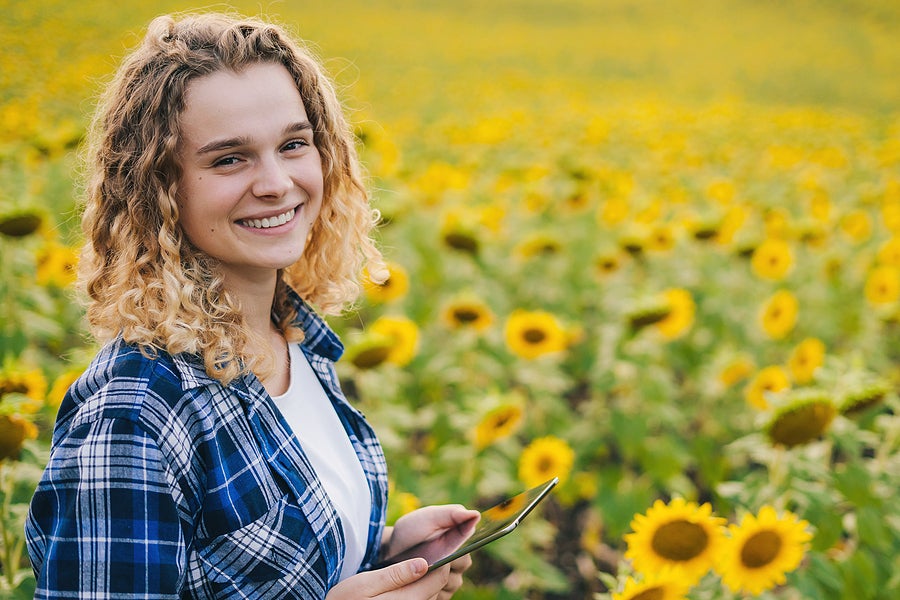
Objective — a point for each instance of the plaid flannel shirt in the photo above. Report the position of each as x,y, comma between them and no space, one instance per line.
162,483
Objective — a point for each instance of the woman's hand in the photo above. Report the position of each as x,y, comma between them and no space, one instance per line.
407,580
429,523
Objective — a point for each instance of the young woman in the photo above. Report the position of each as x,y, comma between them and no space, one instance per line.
208,452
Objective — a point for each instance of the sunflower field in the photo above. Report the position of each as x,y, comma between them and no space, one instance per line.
651,248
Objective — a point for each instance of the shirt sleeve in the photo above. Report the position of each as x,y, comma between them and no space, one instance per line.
104,522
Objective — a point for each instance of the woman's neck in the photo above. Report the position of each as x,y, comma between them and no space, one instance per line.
266,340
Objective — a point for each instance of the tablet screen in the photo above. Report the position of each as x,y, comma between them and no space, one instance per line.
494,523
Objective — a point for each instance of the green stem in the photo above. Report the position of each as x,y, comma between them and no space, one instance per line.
778,474
9,302
9,554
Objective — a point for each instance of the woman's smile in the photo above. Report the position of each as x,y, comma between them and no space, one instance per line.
270,222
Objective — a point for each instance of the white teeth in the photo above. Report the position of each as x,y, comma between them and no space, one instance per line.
269,221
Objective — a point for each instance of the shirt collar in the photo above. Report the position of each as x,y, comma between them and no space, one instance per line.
318,339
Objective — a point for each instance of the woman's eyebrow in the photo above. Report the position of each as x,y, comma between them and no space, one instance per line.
217,145
298,126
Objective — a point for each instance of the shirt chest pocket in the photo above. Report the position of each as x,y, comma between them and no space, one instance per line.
277,551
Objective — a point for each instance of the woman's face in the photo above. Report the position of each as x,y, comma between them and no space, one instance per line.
251,183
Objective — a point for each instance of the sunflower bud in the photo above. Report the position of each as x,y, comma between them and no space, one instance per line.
20,223
858,401
803,417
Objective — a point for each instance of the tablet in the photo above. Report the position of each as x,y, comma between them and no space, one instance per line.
495,522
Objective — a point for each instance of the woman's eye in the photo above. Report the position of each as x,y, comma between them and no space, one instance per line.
226,161
296,144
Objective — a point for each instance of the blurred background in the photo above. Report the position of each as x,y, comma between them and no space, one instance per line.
650,247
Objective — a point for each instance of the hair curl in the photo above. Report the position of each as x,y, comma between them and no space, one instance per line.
142,277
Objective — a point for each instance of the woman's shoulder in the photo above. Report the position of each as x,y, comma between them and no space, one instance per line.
125,382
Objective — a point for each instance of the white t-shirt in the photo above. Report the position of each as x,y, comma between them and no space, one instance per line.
312,417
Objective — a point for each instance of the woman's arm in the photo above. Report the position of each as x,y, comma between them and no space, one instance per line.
103,522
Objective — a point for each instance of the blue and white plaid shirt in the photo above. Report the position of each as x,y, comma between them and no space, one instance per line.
162,483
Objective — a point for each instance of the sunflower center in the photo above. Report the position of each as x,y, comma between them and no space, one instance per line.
461,241
654,593
545,464
680,540
371,357
761,549
12,387
534,336
501,420
465,315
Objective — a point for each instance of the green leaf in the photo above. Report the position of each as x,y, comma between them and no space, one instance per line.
855,484
826,574
860,575
871,528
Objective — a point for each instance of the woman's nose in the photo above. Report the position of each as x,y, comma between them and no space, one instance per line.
272,179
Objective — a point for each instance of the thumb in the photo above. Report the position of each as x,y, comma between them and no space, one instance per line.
400,575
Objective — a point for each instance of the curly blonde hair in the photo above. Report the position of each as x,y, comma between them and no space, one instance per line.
142,277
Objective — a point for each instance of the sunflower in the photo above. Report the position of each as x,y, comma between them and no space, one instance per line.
857,225
731,224
61,385
883,285
530,334
492,217
680,536
613,211
681,313
889,252
538,244
803,417
498,424
772,260
56,265
661,238
657,586
705,229
459,231
14,430
648,312
820,206
32,384
369,351
20,223
404,336
777,222
400,503
736,370
813,234
779,314
633,242
805,358
468,311
770,379
863,397
607,263
761,550
721,190
393,288
408,502
545,458
890,215
578,201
